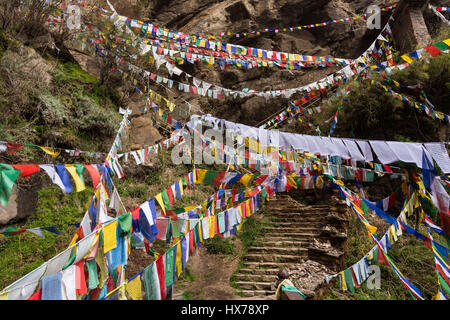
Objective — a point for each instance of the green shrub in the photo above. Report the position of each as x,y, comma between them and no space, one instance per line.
92,118
54,112
219,245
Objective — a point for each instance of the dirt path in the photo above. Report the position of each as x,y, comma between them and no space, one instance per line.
209,276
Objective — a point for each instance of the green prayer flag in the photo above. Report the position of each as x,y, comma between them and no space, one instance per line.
177,225
125,222
264,195
73,255
8,176
79,168
369,176
365,208
441,46
170,266
375,256
444,285
349,280
150,280
9,230
165,197
221,221
210,176
93,275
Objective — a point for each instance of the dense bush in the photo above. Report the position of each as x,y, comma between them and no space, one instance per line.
218,245
54,112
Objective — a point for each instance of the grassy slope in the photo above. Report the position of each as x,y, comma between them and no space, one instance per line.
73,111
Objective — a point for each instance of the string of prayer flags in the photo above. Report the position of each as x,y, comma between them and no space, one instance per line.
314,25
176,36
442,271
428,111
82,270
12,148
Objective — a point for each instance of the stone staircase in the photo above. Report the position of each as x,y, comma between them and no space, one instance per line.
287,241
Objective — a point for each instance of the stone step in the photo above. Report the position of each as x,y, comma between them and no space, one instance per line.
296,224
278,250
251,285
272,278
283,230
282,243
253,293
265,265
259,271
288,236
297,214
286,207
274,257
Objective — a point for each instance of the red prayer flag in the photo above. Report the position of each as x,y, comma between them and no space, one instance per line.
161,276
80,278
95,176
135,213
433,51
36,296
392,200
191,241
26,169
219,178
12,147
170,194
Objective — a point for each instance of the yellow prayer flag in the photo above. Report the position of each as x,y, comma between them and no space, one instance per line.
253,145
447,42
4,296
178,261
406,58
344,285
240,211
180,183
291,182
74,240
200,176
79,184
158,198
109,236
50,151
171,106
212,226
200,230
371,228
249,211
245,179
134,288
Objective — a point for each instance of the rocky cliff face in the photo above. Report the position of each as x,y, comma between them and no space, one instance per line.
206,17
